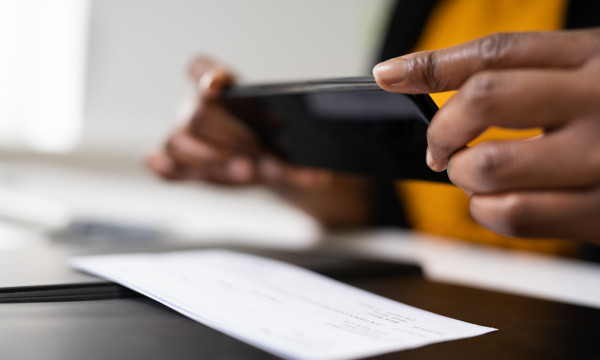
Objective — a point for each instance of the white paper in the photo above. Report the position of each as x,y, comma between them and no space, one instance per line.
278,307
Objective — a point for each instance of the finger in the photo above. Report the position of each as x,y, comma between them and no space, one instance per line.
190,151
559,214
510,99
266,169
162,165
237,170
201,65
270,170
447,69
209,77
212,83
211,121
557,160
201,158
307,177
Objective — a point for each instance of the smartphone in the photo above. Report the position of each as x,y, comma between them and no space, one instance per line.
349,125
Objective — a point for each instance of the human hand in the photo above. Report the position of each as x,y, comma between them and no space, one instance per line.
215,146
548,186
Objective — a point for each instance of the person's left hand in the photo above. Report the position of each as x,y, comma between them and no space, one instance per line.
548,186
215,146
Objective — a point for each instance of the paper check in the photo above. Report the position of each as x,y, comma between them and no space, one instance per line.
281,308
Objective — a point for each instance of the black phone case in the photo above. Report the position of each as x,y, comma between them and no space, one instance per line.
349,125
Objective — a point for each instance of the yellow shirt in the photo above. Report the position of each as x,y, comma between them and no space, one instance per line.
443,209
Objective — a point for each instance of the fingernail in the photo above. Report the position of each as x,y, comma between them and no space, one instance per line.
239,169
429,159
391,72
206,81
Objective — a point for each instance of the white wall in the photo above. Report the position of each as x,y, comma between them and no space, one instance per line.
139,50
42,73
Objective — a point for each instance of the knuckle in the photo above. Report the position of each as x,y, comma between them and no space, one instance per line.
493,49
489,162
480,91
424,71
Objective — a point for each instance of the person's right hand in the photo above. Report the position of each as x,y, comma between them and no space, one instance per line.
215,146
547,186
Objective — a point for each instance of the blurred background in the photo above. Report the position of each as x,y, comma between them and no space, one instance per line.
90,86
106,75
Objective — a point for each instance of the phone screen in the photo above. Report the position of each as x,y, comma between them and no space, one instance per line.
347,125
